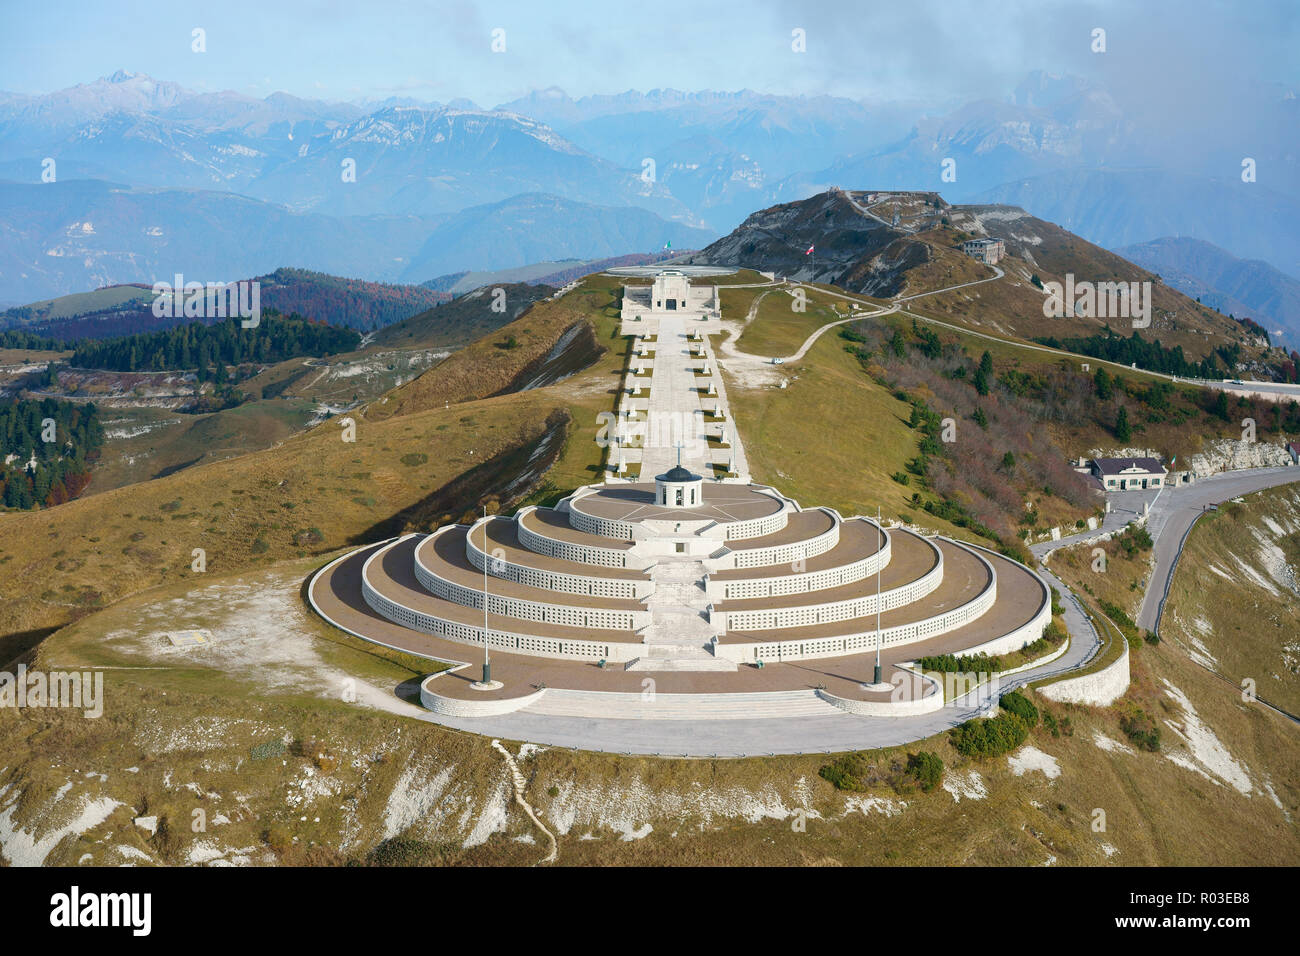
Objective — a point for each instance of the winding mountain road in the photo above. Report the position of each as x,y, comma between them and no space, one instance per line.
1172,518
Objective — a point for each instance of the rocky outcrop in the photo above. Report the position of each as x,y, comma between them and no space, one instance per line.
1219,454
1224,454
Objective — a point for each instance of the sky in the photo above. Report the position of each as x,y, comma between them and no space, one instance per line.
1163,55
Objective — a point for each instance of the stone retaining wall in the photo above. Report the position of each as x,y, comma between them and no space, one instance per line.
1097,689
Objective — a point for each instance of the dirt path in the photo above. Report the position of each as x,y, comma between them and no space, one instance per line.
520,784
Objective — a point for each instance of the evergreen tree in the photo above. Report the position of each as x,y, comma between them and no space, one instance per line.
1122,430
1102,383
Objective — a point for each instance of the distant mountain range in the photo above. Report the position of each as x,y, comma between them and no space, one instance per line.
172,179
72,236
555,274
1239,287
1116,208
127,309
534,228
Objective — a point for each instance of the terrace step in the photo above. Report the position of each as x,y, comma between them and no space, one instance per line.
705,663
745,706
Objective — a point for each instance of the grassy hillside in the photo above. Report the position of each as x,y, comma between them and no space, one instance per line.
416,461
254,730
1233,605
461,320
831,437
145,443
79,303
511,356
864,250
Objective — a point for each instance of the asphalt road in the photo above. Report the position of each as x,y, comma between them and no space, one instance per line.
1125,506
1178,508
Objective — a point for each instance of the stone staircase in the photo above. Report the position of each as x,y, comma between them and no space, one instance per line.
677,657
679,636
558,702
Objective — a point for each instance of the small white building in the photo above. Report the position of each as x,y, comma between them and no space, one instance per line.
679,488
1128,474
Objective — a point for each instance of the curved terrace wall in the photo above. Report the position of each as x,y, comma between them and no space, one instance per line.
502,640
926,704
571,550
863,641
457,707
558,580
787,553
1026,633
736,589
1097,689
544,611
832,611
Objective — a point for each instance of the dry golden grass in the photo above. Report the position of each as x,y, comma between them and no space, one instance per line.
59,564
418,458
1157,813
486,367
1014,306
1246,623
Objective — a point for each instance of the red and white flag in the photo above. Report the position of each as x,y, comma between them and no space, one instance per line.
809,252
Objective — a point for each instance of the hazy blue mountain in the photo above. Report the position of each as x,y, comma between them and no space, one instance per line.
1049,123
432,161
132,128
76,235
1060,146
719,153
1240,287
1116,208
70,236
410,159
537,228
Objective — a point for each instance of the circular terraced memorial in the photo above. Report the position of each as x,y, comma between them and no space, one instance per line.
684,598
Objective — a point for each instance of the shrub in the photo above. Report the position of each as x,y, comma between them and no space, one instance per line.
989,737
1020,705
1124,623
414,458
308,536
400,851
277,839
953,663
272,748
926,769
847,772
1141,728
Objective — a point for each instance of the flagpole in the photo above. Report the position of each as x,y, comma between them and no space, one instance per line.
487,659
880,545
